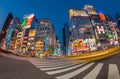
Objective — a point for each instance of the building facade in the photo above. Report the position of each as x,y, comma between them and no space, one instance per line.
5,29
82,31
103,26
90,29
11,36
27,35
45,36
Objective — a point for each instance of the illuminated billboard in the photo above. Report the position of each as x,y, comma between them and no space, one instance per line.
27,21
74,12
9,37
102,17
100,29
84,45
39,45
79,45
32,33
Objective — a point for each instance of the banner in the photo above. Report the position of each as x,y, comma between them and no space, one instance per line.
27,21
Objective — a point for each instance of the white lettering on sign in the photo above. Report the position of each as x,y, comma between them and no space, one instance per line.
100,29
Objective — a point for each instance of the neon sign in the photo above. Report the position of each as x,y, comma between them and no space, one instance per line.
100,29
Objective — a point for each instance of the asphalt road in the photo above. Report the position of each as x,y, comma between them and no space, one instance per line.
20,69
35,68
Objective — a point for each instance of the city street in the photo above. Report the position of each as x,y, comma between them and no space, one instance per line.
12,68
60,39
36,68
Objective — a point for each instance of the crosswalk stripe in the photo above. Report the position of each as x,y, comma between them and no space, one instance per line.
58,67
113,72
53,65
43,62
63,70
47,66
93,74
50,63
76,72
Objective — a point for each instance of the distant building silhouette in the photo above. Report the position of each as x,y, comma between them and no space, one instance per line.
117,18
65,38
109,18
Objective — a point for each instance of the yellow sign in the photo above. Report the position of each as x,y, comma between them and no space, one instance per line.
77,43
32,33
74,12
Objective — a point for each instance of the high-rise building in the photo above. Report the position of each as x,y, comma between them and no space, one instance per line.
66,38
45,33
89,29
82,31
5,29
104,26
28,34
11,36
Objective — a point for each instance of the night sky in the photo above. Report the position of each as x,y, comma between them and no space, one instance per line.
56,10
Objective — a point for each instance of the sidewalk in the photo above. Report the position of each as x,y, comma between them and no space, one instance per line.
13,56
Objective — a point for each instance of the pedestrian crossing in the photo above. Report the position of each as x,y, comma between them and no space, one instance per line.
113,72
93,74
61,69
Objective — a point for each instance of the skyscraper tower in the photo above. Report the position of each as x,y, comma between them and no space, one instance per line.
5,29
66,38
11,36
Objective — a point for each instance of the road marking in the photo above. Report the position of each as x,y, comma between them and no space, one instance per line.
93,74
63,70
47,66
68,65
52,64
74,73
113,72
